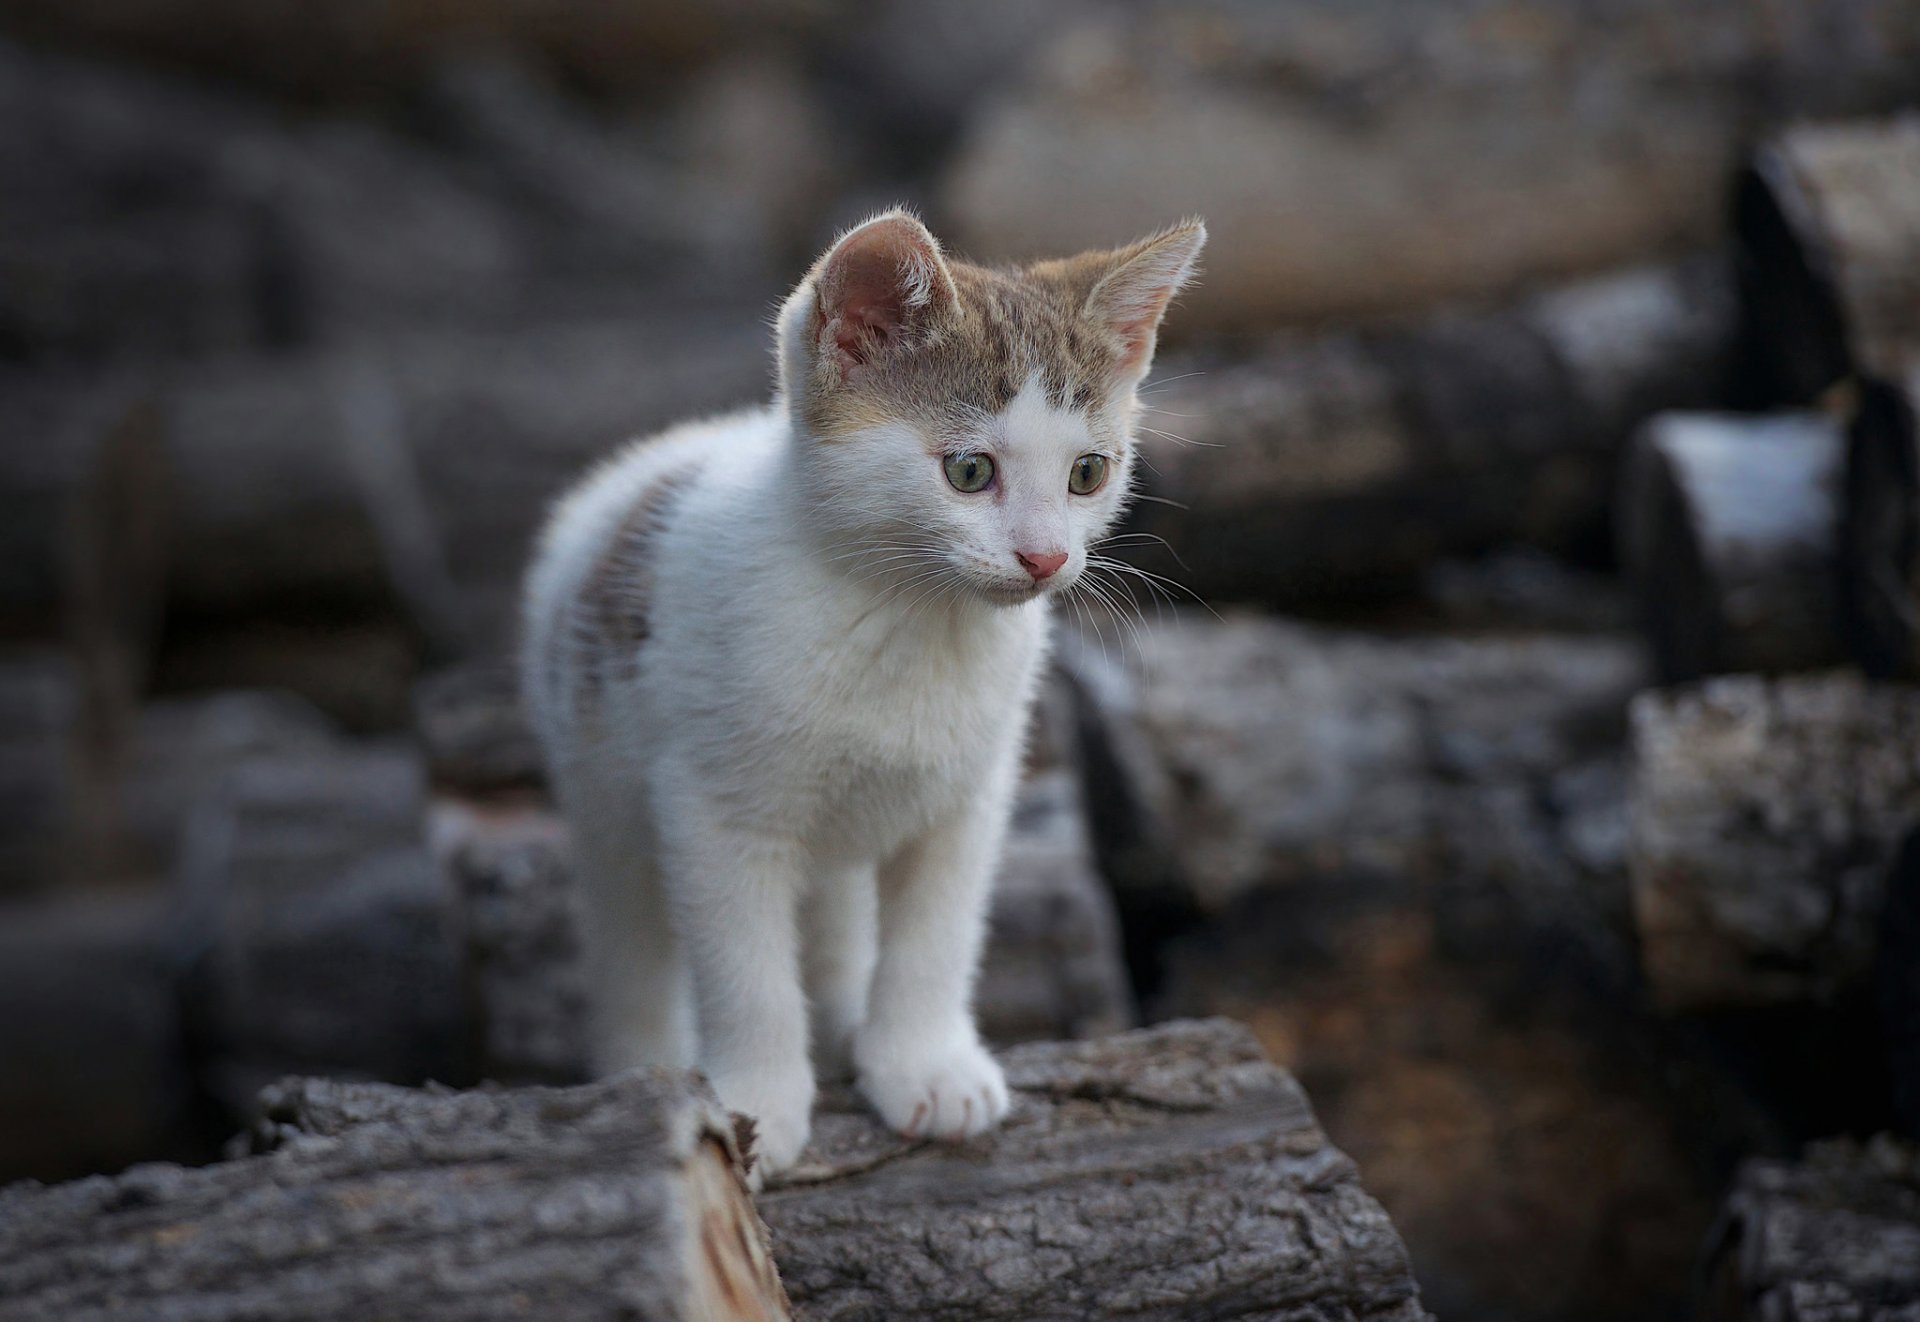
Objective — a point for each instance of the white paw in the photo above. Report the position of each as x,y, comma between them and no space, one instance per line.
952,1092
782,1113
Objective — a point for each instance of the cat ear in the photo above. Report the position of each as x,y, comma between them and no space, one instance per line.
1130,299
880,289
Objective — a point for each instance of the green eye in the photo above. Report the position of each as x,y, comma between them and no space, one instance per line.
1088,475
969,472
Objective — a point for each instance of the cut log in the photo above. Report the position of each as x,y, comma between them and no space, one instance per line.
1828,217
1897,982
1727,526
1359,161
43,770
1168,1173
473,732
316,930
358,670
1764,815
1318,468
95,1071
1880,531
1052,966
83,530
417,478
1835,1235
1262,751
622,1199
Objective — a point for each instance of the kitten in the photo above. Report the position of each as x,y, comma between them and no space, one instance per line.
781,661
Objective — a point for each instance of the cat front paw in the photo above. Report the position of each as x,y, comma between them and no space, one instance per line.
950,1093
782,1114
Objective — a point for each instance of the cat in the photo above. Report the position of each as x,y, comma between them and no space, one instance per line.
780,664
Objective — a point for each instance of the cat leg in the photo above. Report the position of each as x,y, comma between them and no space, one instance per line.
919,1056
736,900
840,940
640,1007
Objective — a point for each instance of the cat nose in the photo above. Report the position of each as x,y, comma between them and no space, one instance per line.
1040,564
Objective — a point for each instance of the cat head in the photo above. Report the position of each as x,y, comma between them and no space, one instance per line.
965,428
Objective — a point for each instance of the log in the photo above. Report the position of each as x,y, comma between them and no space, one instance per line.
43,770
83,529
95,1074
1315,469
1828,219
1880,531
1896,978
621,1199
1052,966
1834,1235
1727,527
1262,751
1354,161
1764,815
1168,1173
358,670
475,737
415,479
315,930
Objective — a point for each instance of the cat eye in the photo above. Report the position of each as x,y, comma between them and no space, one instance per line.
1088,474
969,472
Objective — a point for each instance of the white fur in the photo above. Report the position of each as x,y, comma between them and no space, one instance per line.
788,811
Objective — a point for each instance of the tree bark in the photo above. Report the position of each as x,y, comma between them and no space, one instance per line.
1167,1173
1880,530
1323,467
1727,527
1764,815
1835,1235
617,1200
1828,217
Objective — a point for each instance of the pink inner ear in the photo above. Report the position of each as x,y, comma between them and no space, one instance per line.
1135,331
869,320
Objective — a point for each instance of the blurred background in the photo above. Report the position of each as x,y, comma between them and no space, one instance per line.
1525,751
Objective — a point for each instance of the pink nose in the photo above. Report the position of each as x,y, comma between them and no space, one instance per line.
1040,564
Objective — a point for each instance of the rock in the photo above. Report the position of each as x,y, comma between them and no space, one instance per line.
1879,534
1764,815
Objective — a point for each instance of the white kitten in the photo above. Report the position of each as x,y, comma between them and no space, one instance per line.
781,664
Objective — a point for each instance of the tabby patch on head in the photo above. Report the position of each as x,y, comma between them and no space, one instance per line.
886,327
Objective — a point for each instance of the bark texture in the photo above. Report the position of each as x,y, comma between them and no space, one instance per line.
617,1200
1728,527
1167,1173
1316,467
1880,530
1833,1237
1764,815
1829,222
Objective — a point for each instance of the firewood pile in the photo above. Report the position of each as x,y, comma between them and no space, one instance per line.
1519,736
